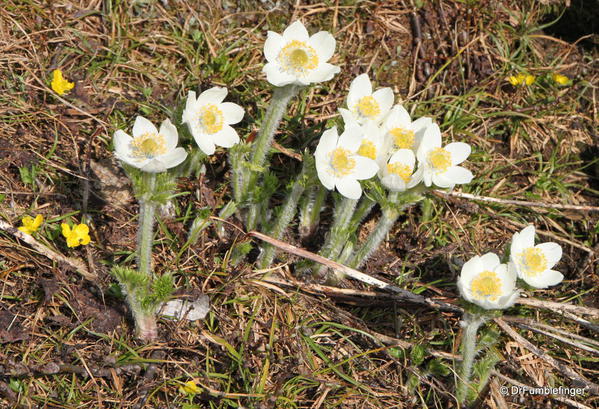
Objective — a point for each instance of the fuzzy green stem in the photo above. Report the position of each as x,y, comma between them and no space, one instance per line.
365,206
310,211
274,114
238,172
471,323
287,212
338,234
145,232
146,328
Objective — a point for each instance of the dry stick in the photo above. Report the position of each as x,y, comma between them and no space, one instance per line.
523,387
517,202
593,388
560,307
565,340
77,264
356,275
531,322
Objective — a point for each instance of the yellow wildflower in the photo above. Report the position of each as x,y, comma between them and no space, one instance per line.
76,236
521,79
59,84
30,225
189,388
561,79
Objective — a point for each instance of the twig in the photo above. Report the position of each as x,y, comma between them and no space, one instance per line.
561,307
546,330
20,370
522,386
584,208
564,369
52,255
355,274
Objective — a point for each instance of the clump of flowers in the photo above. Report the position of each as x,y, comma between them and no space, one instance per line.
487,284
31,225
521,79
561,79
59,84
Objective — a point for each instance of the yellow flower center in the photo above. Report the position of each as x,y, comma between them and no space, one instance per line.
148,146
297,57
401,170
402,138
211,119
440,159
368,107
533,261
341,162
486,285
59,84
368,150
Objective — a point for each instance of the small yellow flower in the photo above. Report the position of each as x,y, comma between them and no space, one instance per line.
561,79
189,388
59,84
521,79
76,236
30,225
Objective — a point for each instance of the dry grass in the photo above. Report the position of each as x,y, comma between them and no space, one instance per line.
66,341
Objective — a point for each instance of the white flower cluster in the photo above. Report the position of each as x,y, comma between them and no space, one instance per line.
489,284
382,139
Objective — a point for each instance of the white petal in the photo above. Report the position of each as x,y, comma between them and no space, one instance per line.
365,168
351,138
204,142
384,97
173,158
326,178
214,95
552,252
421,123
509,300
545,279
394,183
490,261
403,156
272,46
122,143
416,178
142,126
296,31
324,44
327,142
131,161
232,113
441,181
323,72
226,137
153,166
459,152
471,269
456,175
359,87
277,77
527,237
349,188
348,118
398,118
169,131
427,177
191,100
430,140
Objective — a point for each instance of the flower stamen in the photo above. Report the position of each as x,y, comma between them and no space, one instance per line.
440,159
211,119
401,170
148,145
487,285
368,107
298,58
341,162
533,261
367,149
402,138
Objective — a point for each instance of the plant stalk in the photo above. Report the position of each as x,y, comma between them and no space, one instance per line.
145,231
471,323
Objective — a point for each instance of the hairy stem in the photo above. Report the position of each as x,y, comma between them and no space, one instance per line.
310,212
471,323
338,234
145,230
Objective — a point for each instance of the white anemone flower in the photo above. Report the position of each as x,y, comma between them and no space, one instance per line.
401,132
533,263
209,119
439,165
371,145
487,283
364,105
298,58
339,165
397,174
150,150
